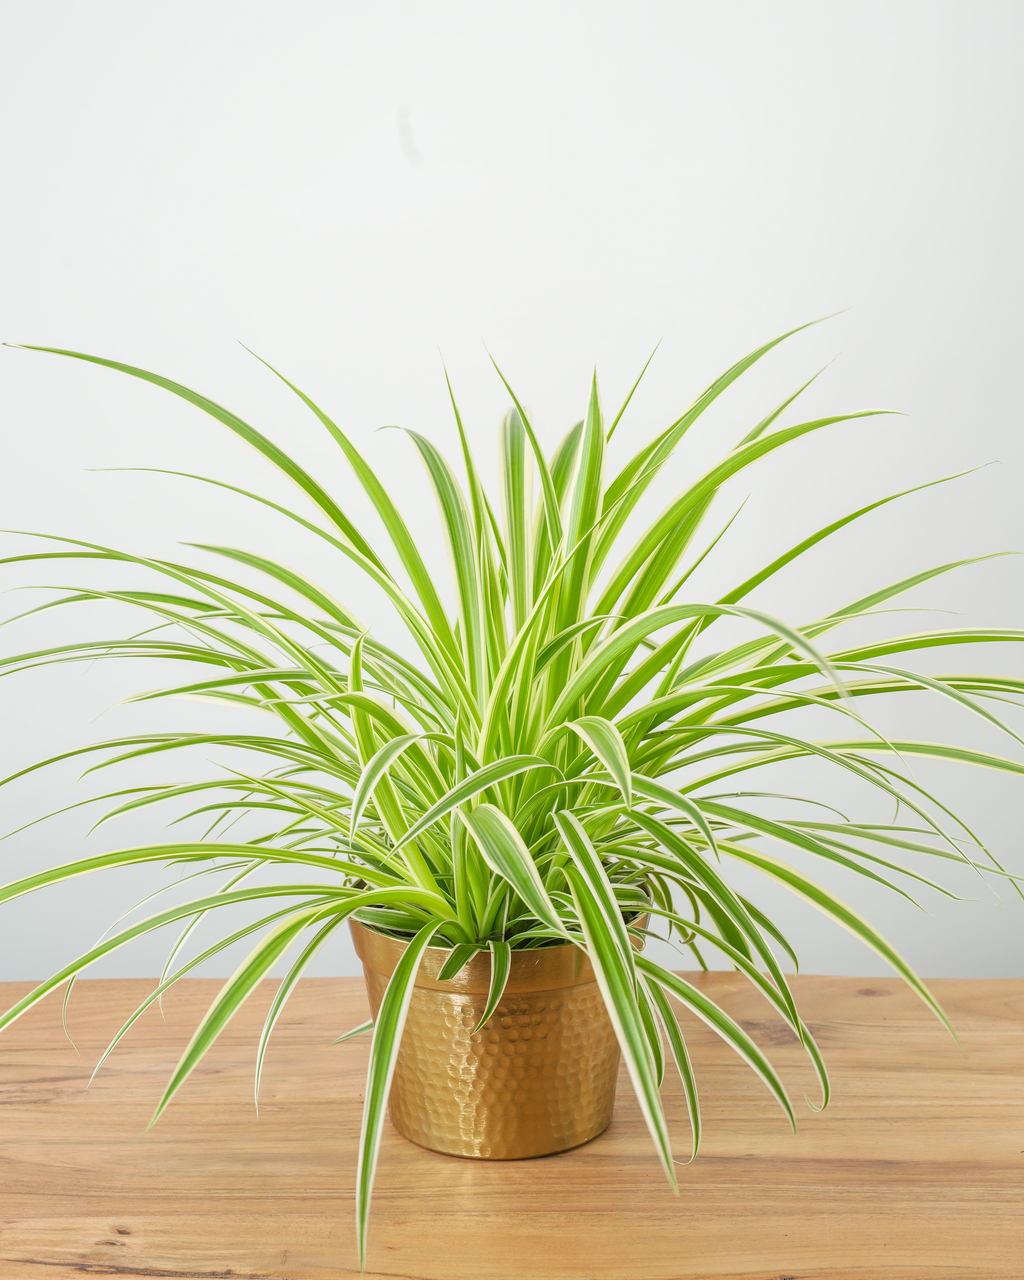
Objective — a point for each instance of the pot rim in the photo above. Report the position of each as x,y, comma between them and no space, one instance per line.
536,969
539,969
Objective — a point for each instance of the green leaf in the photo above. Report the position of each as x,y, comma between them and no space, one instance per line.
517,505
550,499
589,866
642,468
373,771
728,905
505,853
166,983
605,741
778,997
652,1031
718,1020
837,910
402,540
616,982
937,750
565,637
356,1031
270,451
624,641
480,780
671,799
232,996
625,404
458,959
680,1057
501,964
788,834
458,533
340,901
584,509
197,849
387,1040
284,990
700,494
794,552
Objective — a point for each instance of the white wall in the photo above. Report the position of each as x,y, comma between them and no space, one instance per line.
347,188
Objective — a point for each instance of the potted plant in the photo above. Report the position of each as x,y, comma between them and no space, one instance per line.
504,820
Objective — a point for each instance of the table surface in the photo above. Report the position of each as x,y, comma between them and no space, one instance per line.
914,1172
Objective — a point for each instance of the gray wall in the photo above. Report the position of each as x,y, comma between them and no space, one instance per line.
346,188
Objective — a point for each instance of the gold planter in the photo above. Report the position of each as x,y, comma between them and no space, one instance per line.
538,1078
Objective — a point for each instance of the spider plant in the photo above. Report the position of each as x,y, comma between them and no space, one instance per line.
554,767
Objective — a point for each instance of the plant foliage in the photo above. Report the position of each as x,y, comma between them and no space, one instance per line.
554,767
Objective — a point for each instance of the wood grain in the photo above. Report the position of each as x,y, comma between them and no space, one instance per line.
915,1172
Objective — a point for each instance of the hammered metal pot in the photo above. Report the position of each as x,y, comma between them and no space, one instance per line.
538,1078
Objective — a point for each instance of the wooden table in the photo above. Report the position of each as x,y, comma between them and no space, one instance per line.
915,1172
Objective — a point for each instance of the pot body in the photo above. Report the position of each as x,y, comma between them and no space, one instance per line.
539,1077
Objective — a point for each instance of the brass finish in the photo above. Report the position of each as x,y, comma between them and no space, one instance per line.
538,1078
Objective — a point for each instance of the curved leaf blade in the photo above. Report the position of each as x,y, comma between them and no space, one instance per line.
505,853
730,1031
501,965
387,1040
605,741
618,989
